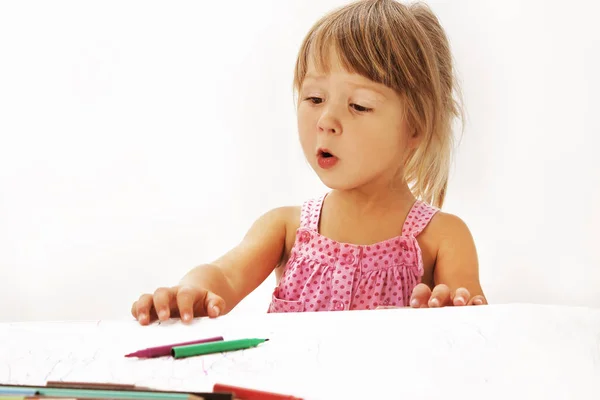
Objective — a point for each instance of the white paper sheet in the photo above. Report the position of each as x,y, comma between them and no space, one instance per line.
493,352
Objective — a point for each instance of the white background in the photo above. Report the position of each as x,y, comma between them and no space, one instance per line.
137,139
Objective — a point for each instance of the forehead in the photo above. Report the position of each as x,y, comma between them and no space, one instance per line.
326,61
320,68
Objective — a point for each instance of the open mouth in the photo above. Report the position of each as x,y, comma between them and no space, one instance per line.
324,153
326,159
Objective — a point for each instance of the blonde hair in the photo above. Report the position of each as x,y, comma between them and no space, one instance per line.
405,48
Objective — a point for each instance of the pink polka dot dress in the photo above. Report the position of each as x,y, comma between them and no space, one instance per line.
324,275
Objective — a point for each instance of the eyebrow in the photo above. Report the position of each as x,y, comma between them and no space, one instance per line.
311,75
354,84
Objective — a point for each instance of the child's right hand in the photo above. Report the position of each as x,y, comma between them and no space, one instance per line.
234,275
185,302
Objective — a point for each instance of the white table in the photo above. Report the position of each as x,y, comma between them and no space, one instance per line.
503,352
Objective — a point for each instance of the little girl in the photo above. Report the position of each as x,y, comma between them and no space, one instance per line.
375,109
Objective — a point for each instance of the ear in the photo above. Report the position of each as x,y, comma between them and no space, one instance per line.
414,138
413,135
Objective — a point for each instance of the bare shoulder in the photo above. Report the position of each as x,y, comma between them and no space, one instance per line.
446,226
288,216
279,214
287,220
291,213
449,253
442,228
448,233
452,252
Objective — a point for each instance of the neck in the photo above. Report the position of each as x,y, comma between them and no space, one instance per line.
373,201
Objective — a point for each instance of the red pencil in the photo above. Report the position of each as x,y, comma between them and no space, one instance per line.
251,394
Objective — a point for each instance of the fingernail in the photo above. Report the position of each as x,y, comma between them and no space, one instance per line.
162,314
217,310
459,300
414,303
141,316
187,316
478,302
434,302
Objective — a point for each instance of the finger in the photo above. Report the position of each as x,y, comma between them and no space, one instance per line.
478,300
187,298
142,309
162,302
214,304
461,297
440,296
420,296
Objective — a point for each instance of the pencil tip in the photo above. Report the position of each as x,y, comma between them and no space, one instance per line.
130,355
266,340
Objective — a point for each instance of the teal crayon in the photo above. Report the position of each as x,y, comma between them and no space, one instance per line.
115,394
108,394
214,347
133,394
17,391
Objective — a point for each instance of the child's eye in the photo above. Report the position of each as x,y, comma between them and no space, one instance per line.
360,108
314,100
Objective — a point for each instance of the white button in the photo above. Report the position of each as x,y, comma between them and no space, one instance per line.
338,305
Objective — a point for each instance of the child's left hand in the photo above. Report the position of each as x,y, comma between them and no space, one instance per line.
442,296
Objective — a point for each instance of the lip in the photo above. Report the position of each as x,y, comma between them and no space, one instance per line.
326,162
322,150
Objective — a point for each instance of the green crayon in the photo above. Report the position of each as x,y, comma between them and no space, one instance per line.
214,347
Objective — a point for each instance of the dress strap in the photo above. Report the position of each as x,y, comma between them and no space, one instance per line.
311,213
417,219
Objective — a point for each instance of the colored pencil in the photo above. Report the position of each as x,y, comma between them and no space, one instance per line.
165,350
215,347
91,385
111,394
17,391
251,394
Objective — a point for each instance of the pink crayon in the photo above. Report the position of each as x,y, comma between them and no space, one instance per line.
165,350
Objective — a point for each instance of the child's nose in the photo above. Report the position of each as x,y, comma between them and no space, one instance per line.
328,130
329,123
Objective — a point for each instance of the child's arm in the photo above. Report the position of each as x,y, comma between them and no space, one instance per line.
456,271
214,289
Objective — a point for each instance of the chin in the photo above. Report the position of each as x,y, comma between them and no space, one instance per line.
337,183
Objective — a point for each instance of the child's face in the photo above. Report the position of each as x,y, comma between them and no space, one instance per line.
358,121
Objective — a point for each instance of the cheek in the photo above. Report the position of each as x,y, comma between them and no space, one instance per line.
306,117
306,127
383,146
